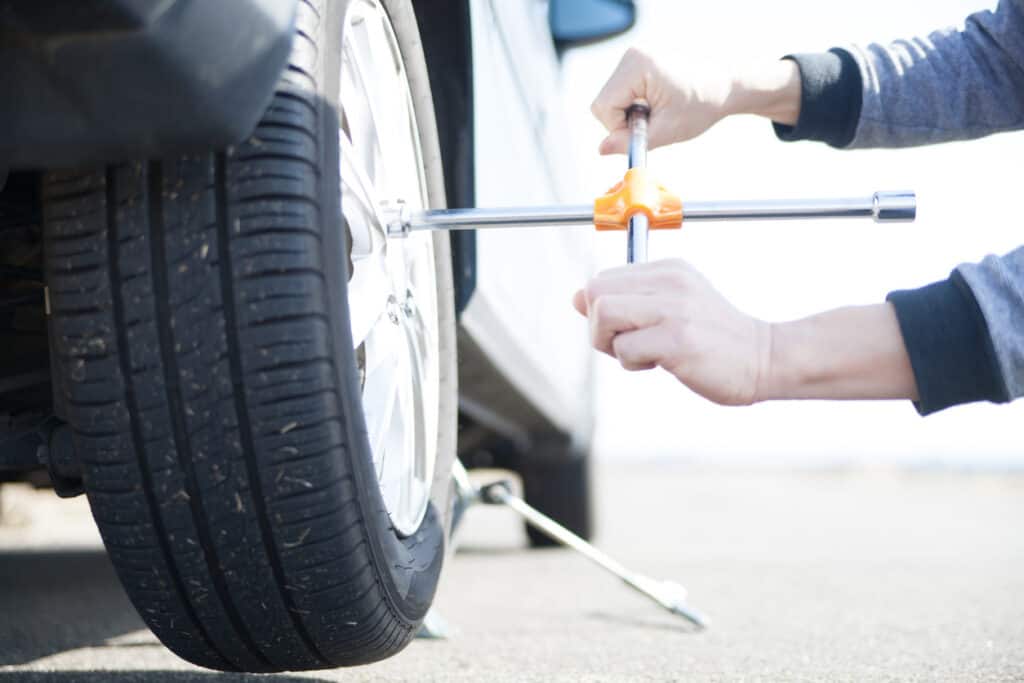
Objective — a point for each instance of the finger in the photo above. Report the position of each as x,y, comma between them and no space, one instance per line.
650,267
626,84
643,349
609,107
615,314
644,278
579,301
619,136
622,284
617,142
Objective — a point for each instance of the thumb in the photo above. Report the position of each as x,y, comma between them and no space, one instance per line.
579,301
617,142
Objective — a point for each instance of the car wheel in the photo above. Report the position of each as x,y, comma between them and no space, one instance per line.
261,386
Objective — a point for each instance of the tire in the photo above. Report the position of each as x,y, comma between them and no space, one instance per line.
560,487
201,325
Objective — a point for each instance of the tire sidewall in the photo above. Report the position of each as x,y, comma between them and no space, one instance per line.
409,568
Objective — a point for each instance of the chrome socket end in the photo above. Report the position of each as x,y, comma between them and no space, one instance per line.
892,207
398,219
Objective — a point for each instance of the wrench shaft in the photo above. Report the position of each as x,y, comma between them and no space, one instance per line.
881,206
637,233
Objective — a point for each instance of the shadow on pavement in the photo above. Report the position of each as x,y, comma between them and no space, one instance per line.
52,601
492,550
147,676
665,623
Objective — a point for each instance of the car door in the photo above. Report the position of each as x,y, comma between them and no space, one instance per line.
520,313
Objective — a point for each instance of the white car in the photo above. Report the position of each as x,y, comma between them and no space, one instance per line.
213,336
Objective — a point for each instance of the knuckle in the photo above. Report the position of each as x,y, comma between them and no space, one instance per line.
602,317
637,54
676,279
594,297
679,331
620,345
678,273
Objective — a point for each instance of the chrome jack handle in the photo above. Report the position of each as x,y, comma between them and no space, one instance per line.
668,595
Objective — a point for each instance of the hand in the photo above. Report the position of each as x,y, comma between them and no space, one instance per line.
666,314
682,105
685,104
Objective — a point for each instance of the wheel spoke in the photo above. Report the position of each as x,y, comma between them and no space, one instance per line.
421,339
368,293
384,368
366,221
419,256
376,84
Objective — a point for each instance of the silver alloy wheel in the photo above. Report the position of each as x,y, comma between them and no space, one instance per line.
392,290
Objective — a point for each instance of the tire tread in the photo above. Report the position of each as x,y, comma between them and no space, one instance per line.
203,279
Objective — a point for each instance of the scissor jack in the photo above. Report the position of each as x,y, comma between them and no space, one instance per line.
667,594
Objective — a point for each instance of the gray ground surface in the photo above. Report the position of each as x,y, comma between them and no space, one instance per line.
812,576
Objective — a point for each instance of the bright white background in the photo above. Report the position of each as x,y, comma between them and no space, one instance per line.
969,204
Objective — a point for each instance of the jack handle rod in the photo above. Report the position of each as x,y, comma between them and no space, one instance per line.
639,227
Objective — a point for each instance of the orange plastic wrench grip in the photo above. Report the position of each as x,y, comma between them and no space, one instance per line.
637,193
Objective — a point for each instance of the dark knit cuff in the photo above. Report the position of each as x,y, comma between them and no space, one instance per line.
830,98
949,345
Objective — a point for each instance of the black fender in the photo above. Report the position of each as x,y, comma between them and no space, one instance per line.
94,81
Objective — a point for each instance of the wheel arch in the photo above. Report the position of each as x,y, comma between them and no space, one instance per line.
448,47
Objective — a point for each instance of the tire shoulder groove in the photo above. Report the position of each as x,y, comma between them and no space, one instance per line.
138,441
245,431
176,408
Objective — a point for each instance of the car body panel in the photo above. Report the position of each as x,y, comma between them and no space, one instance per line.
520,313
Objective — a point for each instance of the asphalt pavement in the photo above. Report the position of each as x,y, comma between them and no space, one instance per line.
833,575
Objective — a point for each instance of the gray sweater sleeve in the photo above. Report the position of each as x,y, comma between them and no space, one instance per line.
964,335
952,85
998,286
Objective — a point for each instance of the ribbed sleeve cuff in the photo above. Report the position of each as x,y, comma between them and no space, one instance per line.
830,99
949,345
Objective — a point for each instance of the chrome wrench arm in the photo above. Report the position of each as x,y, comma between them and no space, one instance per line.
882,207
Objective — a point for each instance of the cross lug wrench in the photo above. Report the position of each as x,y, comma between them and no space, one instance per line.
638,205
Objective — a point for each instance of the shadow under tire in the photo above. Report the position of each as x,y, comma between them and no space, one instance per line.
200,324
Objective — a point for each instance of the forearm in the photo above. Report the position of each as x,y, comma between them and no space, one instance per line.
770,90
846,353
951,85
